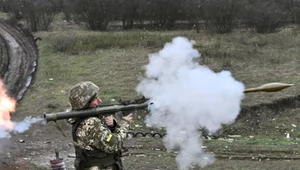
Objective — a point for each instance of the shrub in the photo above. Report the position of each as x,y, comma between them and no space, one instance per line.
64,43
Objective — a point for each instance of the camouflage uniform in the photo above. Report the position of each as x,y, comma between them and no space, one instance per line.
97,146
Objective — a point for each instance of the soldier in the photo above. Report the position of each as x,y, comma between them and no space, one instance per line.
97,140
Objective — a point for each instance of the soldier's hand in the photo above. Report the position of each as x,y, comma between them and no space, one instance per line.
108,120
128,118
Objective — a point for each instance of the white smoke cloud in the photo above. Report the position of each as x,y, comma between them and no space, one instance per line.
188,96
19,127
4,133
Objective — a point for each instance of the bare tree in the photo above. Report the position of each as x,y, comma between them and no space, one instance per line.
293,8
96,13
66,9
160,13
264,16
40,14
12,7
128,13
194,11
222,14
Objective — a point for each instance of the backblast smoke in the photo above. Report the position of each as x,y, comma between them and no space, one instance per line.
7,126
188,96
19,127
7,106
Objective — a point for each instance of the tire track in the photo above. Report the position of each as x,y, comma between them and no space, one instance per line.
3,57
19,65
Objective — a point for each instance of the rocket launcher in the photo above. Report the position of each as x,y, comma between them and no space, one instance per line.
142,103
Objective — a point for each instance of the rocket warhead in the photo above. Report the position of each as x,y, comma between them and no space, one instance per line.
269,87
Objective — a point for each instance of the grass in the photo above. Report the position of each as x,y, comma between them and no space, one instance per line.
91,41
3,15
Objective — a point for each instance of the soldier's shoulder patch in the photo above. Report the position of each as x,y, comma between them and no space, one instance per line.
108,137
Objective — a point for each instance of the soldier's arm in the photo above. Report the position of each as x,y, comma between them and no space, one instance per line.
122,128
97,135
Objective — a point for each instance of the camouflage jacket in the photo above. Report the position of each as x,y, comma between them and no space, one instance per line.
92,133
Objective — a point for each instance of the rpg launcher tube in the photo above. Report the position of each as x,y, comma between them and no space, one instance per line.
99,111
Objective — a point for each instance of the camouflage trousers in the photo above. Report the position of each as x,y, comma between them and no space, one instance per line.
112,163
98,168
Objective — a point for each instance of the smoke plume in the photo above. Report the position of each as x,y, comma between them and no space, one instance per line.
19,127
188,96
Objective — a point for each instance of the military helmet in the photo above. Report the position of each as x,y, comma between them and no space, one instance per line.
81,94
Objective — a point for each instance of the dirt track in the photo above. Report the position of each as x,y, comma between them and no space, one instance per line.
33,149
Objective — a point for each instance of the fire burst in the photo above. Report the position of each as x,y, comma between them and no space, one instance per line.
7,105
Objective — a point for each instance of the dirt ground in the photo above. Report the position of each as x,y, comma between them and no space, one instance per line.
33,149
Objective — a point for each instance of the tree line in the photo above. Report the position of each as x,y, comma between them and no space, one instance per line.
221,16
